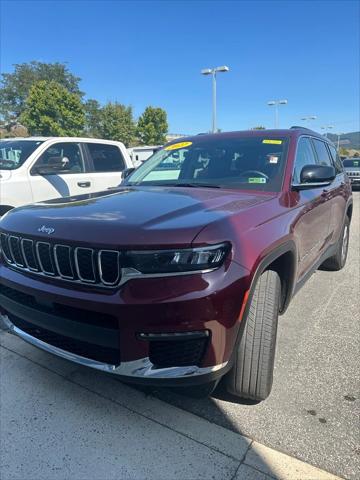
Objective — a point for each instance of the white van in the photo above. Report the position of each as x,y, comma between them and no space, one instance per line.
139,155
35,169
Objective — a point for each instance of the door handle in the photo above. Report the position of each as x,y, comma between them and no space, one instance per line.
84,184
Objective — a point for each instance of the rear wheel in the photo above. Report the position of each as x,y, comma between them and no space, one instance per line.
252,373
337,261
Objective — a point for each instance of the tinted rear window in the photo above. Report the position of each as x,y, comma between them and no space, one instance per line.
106,158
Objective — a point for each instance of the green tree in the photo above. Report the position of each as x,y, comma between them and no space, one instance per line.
117,123
258,127
93,114
152,126
15,87
51,109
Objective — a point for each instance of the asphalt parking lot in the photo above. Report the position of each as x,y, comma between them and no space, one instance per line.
312,413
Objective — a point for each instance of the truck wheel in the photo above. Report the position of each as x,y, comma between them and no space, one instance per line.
252,373
337,261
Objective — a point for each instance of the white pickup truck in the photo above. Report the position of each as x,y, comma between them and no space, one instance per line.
35,169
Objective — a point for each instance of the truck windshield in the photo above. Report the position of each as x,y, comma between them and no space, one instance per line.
251,163
13,153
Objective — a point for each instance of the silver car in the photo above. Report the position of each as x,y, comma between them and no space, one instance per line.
352,168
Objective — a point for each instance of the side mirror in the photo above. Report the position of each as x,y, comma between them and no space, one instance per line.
127,172
313,176
53,166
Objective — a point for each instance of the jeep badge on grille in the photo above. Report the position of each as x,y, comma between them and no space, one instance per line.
44,229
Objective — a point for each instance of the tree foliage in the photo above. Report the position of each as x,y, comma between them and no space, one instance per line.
93,114
258,127
50,109
152,126
117,123
15,87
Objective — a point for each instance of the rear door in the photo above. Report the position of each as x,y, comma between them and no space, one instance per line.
73,180
311,227
106,163
339,194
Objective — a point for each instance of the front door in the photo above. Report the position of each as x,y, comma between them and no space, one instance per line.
312,224
73,180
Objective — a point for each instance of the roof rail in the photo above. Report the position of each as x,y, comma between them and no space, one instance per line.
300,127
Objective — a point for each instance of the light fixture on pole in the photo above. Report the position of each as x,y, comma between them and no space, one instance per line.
326,128
213,72
308,118
276,103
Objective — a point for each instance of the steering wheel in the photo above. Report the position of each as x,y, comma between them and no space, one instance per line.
257,172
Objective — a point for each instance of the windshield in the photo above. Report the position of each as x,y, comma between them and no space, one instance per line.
251,163
13,153
352,163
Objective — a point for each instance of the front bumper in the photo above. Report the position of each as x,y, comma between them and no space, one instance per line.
208,302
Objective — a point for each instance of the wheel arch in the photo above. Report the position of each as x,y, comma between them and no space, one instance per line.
282,260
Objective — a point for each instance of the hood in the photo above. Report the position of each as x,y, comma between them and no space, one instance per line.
5,174
129,216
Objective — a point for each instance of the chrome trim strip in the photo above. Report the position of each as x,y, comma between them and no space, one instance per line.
11,249
51,274
57,262
100,252
24,255
77,264
141,368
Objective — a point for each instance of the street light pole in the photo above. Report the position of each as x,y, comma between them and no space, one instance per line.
213,72
276,103
214,119
326,128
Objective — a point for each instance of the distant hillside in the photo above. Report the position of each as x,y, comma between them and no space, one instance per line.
353,139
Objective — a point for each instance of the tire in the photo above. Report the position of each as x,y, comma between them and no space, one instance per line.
251,376
338,261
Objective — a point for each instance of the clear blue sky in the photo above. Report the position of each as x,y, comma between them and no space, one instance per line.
151,53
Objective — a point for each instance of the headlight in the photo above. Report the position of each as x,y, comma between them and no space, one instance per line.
178,260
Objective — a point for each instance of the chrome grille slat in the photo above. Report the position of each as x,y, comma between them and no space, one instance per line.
44,257
14,246
85,267
63,261
28,251
4,239
109,276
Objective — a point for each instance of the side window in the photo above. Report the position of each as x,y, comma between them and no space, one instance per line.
322,153
106,158
69,154
336,159
304,156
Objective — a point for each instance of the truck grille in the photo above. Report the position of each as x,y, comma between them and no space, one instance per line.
77,264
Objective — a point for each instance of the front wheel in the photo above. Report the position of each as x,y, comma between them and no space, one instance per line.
252,373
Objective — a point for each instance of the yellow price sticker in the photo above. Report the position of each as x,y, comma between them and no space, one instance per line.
272,142
176,146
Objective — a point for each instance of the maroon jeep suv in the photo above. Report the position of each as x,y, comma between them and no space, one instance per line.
178,276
